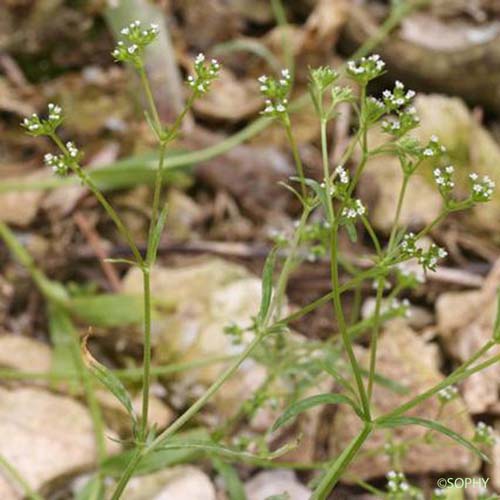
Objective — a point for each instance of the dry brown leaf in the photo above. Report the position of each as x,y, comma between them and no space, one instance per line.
24,354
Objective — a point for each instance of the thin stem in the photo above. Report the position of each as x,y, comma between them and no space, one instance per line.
337,468
128,473
275,307
372,234
346,340
77,169
375,334
146,360
401,196
326,169
149,97
334,276
156,195
17,476
184,418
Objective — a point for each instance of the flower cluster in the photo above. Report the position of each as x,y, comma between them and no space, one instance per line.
401,124
353,209
321,78
481,189
37,126
484,434
341,94
405,116
398,487
276,93
409,276
373,110
58,163
366,68
61,163
438,493
205,74
138,39
447,394
398,98
427,259
444,180
341,175
433,148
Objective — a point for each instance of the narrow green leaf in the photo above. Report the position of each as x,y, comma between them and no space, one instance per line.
108,379
267,284
305,404
232,482
156,235
211,448
435,426
108,309
160,458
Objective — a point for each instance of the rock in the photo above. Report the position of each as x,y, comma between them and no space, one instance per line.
46,437
406,358
465,322
7,490
24,354
20,207
203,298
176,483
276,482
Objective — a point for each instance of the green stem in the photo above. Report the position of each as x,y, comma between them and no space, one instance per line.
375,334
372,234
77,169
184,418
336,469
346,340
401,196
275,307
151,102
17,476
146,360
334,276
